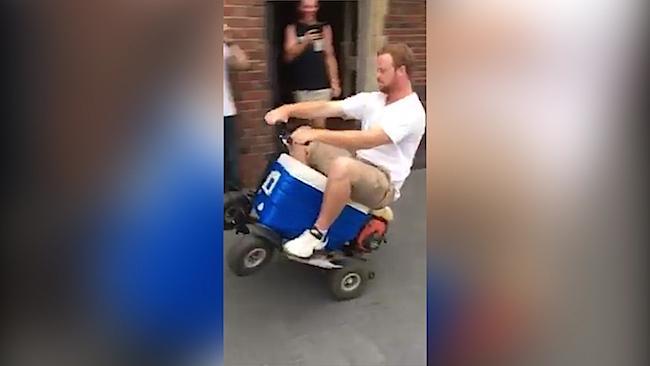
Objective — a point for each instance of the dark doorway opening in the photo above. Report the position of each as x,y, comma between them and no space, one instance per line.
341,15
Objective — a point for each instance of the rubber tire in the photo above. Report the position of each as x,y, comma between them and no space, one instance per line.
335,278
238,252
233,200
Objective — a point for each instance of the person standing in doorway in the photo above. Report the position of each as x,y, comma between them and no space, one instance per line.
308,48
234,58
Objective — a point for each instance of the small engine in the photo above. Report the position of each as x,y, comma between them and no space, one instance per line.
372,236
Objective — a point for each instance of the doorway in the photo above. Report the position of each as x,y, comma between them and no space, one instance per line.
341,15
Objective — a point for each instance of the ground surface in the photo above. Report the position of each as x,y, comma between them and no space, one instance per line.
284,316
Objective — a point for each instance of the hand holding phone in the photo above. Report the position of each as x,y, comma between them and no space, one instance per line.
313,35
316,36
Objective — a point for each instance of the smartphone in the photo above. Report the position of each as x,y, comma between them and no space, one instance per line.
316,27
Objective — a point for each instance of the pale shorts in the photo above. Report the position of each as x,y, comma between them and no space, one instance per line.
312,95
371,184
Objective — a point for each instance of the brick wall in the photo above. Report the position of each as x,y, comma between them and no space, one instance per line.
405,22
251,88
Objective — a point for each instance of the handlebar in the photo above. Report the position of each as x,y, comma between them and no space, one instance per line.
284,134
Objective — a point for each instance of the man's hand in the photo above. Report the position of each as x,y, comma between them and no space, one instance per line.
227,34
304,135
279,114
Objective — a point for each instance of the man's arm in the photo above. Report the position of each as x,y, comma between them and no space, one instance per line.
352,140
305,110
330,61
238,59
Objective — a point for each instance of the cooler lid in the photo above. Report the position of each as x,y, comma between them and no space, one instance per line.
311,177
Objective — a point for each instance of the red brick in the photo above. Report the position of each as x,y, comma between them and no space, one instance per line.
255,11
242,33
250,45
251,75
244,22
256,128
422,43
248,105
245,86
263,148
248,121
232,11
254,123
256,131
408,4
243,11
256,95
407,20
406,31
251,3
405,9
259,66
407,39
258,139
248,126
253,118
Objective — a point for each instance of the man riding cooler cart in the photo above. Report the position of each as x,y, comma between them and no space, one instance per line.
368,166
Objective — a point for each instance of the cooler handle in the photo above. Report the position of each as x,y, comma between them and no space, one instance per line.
270,182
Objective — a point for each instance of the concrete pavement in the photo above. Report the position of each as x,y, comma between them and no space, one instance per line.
284,316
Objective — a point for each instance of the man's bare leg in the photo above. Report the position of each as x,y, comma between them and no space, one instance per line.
337,189
337,193
299,152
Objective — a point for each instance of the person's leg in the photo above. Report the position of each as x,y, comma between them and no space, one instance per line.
371,186
231,154
337,192
323,95
350,178
336,196
300,152
314,95
347,178
317,155
330,161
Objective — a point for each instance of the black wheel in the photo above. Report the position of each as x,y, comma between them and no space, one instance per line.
236,207
350,281
249,255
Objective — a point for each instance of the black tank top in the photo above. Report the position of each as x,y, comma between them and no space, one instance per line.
308,70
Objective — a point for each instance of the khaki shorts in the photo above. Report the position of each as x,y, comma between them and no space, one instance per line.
371,185
312,95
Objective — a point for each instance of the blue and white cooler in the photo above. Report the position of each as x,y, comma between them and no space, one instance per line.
290,199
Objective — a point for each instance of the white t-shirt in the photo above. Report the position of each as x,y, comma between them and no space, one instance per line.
228,103
403,121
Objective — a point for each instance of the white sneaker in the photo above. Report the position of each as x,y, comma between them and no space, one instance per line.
305,245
